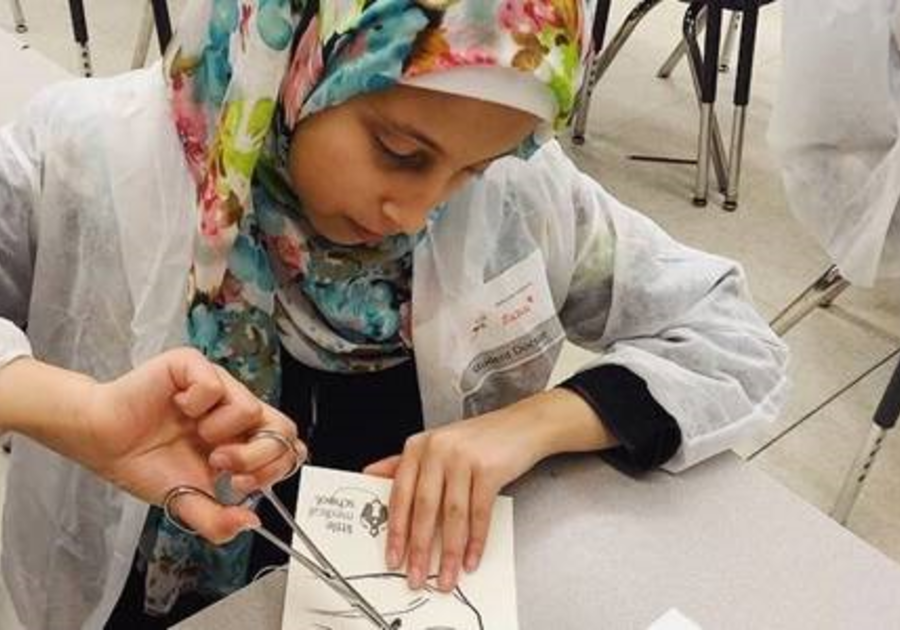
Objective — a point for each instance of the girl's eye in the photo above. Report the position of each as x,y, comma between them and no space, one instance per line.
400,155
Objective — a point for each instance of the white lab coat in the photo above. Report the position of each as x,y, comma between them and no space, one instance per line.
96,225
836,129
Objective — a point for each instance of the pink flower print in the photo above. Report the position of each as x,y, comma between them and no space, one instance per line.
231,290
434,52
357,48
528,17
210,211
190,123
305,71
291,254
246,14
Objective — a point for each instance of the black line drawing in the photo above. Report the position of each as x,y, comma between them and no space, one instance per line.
426,609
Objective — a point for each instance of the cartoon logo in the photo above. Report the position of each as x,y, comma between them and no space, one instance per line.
374,516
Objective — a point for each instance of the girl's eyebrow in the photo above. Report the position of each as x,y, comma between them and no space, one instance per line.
420,137
402,128
415,134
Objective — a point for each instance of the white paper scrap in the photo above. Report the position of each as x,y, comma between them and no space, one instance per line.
674,620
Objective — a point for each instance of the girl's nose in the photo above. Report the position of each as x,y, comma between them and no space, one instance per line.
408,221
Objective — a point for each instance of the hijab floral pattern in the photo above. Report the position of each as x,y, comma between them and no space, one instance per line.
242,74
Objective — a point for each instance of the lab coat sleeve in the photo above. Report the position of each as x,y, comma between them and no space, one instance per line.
19,187
679,319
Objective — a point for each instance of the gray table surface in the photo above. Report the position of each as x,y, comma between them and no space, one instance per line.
723,543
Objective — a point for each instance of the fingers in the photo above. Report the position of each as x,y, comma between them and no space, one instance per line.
400,506
249,456
482,503
436,488
455,526
197,380
214,522
229,422
425,508
386,468
263,461
267,475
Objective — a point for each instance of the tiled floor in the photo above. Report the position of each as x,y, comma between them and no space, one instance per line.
631,113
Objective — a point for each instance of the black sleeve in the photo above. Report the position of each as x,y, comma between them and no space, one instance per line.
648,436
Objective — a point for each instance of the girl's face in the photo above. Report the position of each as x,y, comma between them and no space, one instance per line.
377,165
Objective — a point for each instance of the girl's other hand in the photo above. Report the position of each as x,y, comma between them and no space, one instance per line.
453,475
446,479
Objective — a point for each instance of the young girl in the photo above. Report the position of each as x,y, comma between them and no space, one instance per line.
375,232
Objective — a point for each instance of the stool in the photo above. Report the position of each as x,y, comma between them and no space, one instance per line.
704,66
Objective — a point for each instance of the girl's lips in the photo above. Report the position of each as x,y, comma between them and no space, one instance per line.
368,236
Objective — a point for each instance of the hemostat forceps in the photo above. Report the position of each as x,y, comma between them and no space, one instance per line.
318,565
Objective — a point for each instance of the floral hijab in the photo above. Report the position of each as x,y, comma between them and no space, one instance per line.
242,75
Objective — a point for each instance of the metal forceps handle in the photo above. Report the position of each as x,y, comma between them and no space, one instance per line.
321,567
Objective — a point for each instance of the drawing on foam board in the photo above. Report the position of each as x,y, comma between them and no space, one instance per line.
346,516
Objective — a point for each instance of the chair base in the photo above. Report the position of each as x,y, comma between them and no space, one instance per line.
822,292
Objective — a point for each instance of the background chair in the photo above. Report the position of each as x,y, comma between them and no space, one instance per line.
834,130
704,66
156,12
822,293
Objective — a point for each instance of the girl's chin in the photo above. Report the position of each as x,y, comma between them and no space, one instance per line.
347,233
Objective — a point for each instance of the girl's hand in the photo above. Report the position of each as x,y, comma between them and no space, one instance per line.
180,420
447,479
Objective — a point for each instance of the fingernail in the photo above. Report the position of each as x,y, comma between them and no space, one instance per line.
218,460
252,523
243,483
471,562
415,578
392,559
448,577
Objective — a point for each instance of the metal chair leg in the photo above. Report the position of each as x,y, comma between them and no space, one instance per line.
601,63
820,293
735,157
79,28
741,99
708,85
145,34
693,17
163,23
885,419
734,26
19,16
674,58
